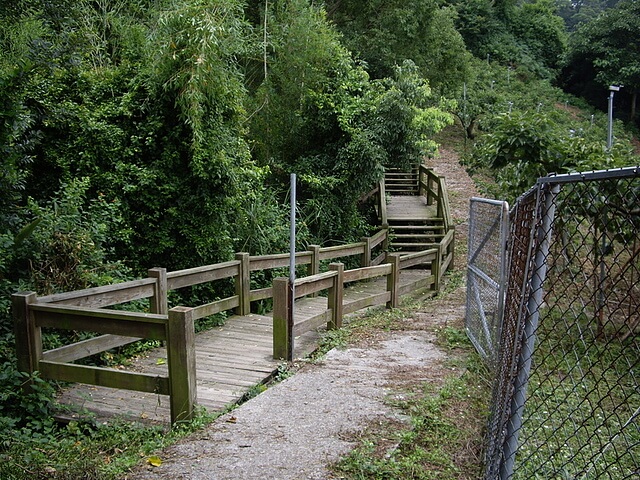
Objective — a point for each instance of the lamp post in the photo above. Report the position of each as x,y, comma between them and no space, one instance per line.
612,90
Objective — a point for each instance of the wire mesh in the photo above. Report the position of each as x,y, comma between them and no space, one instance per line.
581,416
522,220
488,225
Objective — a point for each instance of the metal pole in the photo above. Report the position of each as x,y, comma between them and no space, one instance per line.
292,233
532,314
292,265
612,90
610,132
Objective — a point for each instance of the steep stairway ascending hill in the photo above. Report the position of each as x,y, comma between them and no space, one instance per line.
414,225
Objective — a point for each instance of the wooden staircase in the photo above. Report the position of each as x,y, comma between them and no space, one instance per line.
400,182
415,236
415,223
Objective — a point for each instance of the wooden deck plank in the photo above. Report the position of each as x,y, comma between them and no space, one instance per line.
409,207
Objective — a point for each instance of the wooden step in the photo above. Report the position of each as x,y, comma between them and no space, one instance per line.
416,227
422,221
401,174
417,236
417,246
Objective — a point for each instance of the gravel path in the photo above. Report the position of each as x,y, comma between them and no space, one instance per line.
297,428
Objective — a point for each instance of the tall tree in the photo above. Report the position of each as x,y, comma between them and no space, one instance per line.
542,31
606,51
385,33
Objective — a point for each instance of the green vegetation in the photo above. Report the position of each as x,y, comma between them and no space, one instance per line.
432,447
579,413
441,437
142,133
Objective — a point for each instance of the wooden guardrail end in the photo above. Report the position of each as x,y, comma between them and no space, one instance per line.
181,360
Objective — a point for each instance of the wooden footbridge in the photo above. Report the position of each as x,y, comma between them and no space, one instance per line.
217,367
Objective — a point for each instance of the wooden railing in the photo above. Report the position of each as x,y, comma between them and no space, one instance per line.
434,188
87,310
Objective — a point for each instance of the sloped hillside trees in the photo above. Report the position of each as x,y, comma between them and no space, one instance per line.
317,113
386,33
606,51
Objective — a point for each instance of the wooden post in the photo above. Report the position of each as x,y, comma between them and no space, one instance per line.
385,243
366,255
243,285
181,359
436,267
393,279
430,180
281,313
383,203
336,294
314,266
452,246
159,303
28,335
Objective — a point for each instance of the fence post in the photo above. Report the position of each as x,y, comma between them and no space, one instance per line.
281,314
181,359
531,316
243,285
383,203
28,335
314,265
452,248
393,279
436,269
366,255
336,294
430,195
159,303
385,242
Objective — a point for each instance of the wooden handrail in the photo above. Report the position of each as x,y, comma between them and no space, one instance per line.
104,296
176,329
208,273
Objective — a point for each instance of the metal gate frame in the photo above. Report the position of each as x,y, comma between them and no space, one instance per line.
486,287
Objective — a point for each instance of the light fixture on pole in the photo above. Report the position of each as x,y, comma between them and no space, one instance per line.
612,90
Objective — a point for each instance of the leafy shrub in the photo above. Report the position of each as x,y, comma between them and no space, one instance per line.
25,402
525,145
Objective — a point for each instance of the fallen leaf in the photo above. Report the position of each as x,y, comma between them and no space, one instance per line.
154,461
161,361
232,420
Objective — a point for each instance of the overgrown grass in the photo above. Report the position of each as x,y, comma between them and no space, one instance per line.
89,450
442,439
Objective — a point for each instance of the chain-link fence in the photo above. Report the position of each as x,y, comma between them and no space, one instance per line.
566,399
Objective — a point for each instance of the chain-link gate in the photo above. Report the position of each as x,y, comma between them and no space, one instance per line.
488,228
566,399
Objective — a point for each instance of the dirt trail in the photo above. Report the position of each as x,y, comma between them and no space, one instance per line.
297,428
